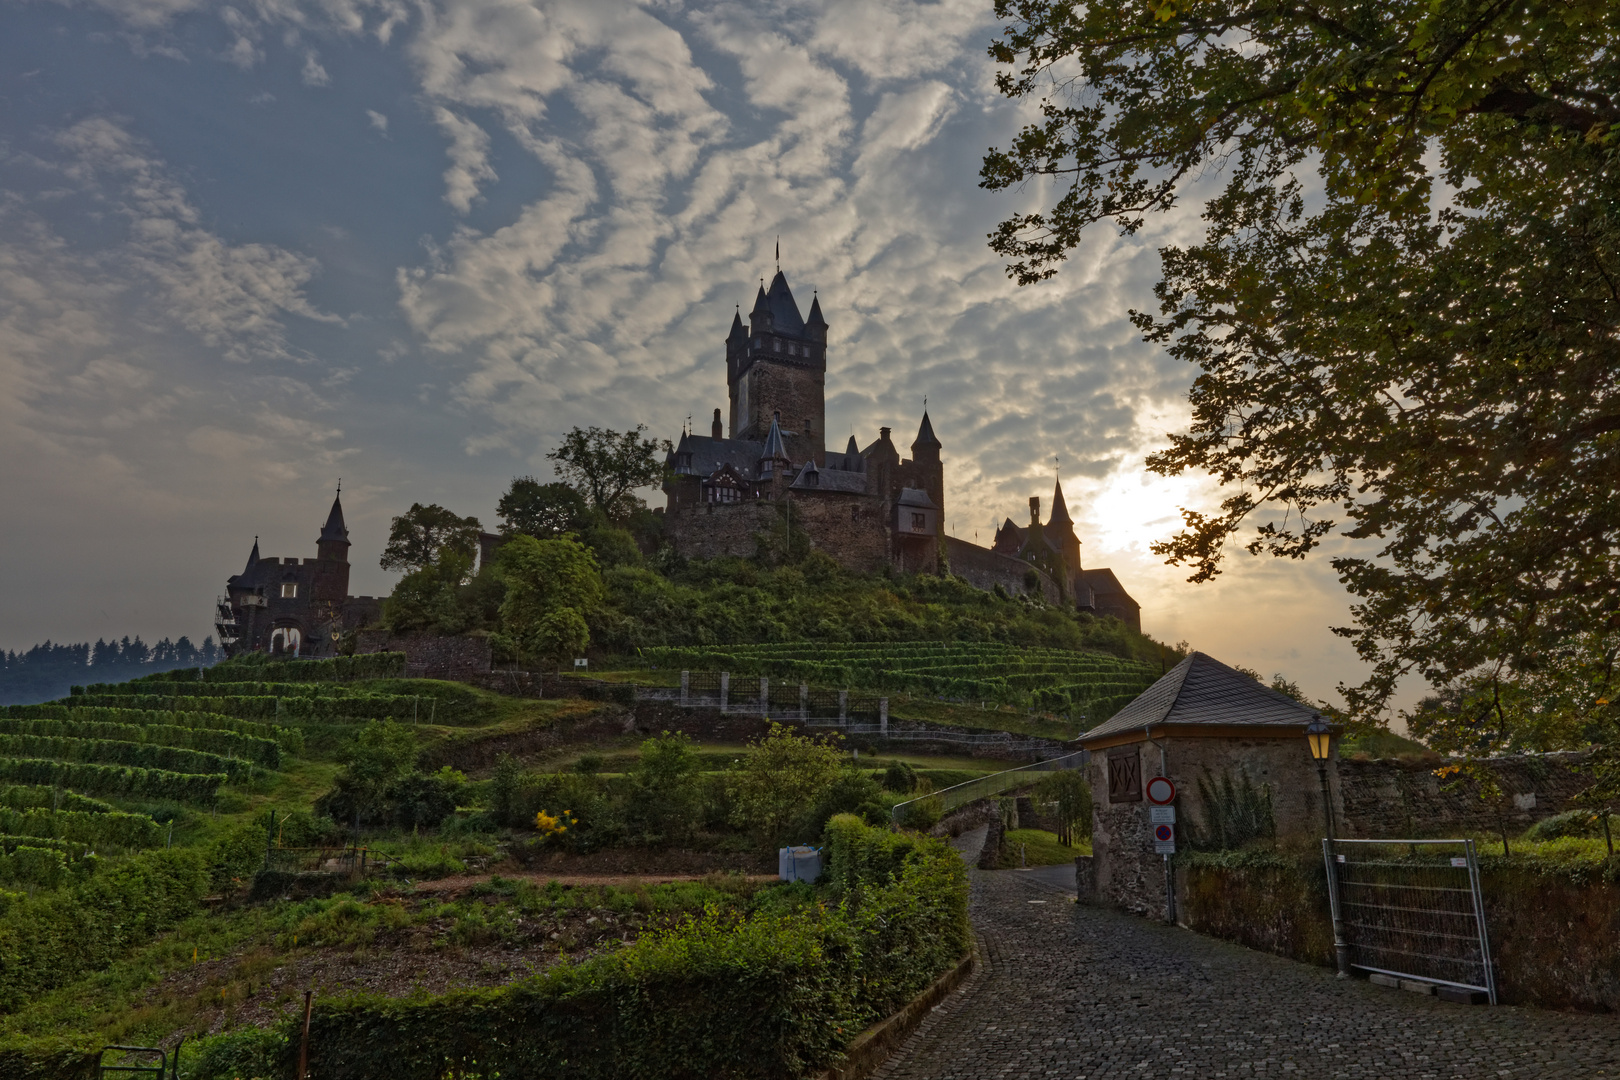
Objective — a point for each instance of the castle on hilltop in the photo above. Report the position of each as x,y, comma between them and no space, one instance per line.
292,607
870,508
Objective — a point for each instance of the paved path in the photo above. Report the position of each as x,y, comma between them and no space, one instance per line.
1079,992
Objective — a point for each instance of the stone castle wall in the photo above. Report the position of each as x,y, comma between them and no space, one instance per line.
850,528
798,393
985,569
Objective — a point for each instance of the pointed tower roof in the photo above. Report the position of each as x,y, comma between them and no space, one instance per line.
774,448
815,318
253,556
737,329
1060,510
785,315
334,529
925,435
761,305
853,449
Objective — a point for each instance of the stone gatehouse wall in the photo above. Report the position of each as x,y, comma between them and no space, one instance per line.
1371,799
1404,798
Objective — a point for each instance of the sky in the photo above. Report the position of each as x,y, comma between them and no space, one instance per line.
249,249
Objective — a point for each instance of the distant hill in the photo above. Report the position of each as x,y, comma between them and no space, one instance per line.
47,670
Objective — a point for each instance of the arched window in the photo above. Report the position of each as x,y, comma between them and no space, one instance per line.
286,639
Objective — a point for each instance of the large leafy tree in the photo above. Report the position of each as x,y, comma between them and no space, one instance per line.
541,510
1403,307
418,536
552,586
606,467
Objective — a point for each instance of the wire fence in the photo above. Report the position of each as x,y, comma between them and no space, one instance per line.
994,784
346,861
1413,909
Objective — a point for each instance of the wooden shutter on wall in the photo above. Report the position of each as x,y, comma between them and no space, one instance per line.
1124,775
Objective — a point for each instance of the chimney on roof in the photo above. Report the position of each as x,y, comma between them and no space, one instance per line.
883,434
717,429
1034,511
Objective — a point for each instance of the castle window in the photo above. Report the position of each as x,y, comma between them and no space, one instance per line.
289,591
1124,776
919,522
777,345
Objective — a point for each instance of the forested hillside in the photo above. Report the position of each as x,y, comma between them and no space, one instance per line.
48,669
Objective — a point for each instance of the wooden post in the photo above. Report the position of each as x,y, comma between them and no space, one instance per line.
303,1045
686,686
725,689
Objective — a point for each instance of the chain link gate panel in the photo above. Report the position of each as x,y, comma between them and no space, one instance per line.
1412,909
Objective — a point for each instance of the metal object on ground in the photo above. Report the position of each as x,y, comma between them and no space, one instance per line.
798,863
157,1070
1411,909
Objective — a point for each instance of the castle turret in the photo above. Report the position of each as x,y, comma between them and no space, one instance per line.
930,471
816,326
332,557
773,456
1060,533
780,367
253,557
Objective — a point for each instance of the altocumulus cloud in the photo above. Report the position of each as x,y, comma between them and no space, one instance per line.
607,182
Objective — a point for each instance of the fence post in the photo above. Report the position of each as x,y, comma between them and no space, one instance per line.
725,689
686,687
843,707
804,702
764,696
883,716
269,841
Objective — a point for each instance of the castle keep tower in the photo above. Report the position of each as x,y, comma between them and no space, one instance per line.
777,367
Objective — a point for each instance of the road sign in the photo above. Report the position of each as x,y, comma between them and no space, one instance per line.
1160,791
1161,815
1164,847
1164,833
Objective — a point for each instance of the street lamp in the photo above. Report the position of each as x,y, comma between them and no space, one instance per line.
1319,735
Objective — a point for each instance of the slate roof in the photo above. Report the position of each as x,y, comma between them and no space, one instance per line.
785,317
334,528
708,454
925,434
841,480
915,497
774,449
1060,509
1202,691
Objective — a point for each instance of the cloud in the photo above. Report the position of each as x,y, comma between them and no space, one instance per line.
378,120
313,74
469,159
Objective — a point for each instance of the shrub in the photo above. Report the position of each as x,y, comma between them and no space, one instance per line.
1235,812
51,940
244,1054
900,777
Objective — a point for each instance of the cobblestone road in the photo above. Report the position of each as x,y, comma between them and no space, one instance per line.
1080,992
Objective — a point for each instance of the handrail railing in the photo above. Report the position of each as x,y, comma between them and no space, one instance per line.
994,784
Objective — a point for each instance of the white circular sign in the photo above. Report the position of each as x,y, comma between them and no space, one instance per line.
1160,791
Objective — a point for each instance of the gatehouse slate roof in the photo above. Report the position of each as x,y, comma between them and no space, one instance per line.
708,454
1200,692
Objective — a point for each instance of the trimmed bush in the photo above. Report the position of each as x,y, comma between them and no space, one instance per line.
98,830
113,779
265,752
28,796
255,667
289,739
111,752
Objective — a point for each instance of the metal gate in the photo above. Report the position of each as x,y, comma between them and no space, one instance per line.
1411,908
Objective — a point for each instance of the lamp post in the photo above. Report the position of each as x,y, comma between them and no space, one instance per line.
1319,736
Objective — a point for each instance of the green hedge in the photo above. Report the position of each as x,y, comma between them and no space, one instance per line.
113,779
282,710
113,752
49,941
777,994
288,738
47,1059
29,796
1052,679
98,830
264,752
258,669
